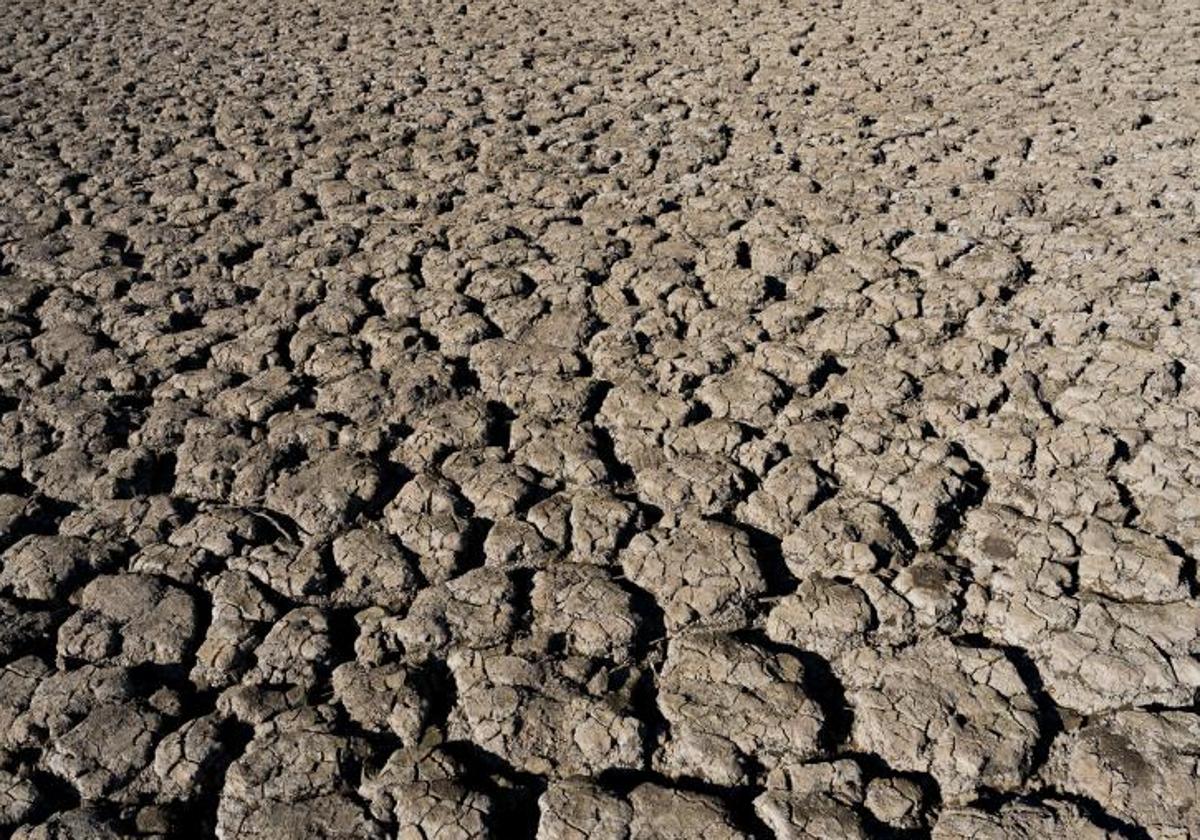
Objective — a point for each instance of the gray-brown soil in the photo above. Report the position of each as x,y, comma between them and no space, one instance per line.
599,419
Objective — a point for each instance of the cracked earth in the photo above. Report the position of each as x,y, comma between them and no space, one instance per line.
524,419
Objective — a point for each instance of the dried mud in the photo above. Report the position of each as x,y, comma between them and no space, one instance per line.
599,420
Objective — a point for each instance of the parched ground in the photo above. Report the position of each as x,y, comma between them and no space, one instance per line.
598,419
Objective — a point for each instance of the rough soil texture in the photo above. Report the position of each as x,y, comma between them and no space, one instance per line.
599,419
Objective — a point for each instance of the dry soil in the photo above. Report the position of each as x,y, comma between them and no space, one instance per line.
599,419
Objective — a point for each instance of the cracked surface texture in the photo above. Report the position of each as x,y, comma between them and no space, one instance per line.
612,420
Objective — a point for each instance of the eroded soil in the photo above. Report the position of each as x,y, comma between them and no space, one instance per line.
599,419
